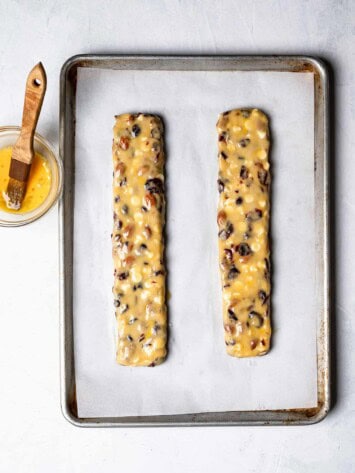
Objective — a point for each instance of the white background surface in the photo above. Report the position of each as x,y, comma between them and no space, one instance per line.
34,437
197,375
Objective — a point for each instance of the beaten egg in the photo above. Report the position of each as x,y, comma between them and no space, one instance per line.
38,185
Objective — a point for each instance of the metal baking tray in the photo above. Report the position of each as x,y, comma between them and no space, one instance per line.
294,64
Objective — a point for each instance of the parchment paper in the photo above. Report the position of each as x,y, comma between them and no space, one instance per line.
198,376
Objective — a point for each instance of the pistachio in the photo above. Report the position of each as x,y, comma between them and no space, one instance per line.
245,113
254,215
155,133
156,146
256,319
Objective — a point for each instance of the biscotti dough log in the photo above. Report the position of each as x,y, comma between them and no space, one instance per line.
137,239
243,222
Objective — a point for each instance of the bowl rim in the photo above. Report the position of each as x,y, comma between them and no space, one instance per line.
59,190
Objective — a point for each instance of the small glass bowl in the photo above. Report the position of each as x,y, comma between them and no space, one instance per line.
8,137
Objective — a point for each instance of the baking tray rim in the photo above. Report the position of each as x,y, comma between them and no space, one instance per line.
291,63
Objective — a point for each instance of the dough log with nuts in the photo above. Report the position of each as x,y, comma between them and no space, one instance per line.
137,239
243,227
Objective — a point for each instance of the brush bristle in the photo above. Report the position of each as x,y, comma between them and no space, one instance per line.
15,193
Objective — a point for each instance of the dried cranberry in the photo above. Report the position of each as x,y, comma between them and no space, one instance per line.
229,254
154,186
226,232
244,173
232,315
223,137
263,296
244,249
220,185
136,130
244,142
263,176
267,270
233,273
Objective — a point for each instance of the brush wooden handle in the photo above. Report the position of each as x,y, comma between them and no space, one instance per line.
35,89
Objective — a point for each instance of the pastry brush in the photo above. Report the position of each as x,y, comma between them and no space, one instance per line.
23,152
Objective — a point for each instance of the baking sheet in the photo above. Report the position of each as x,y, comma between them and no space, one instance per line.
198,376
